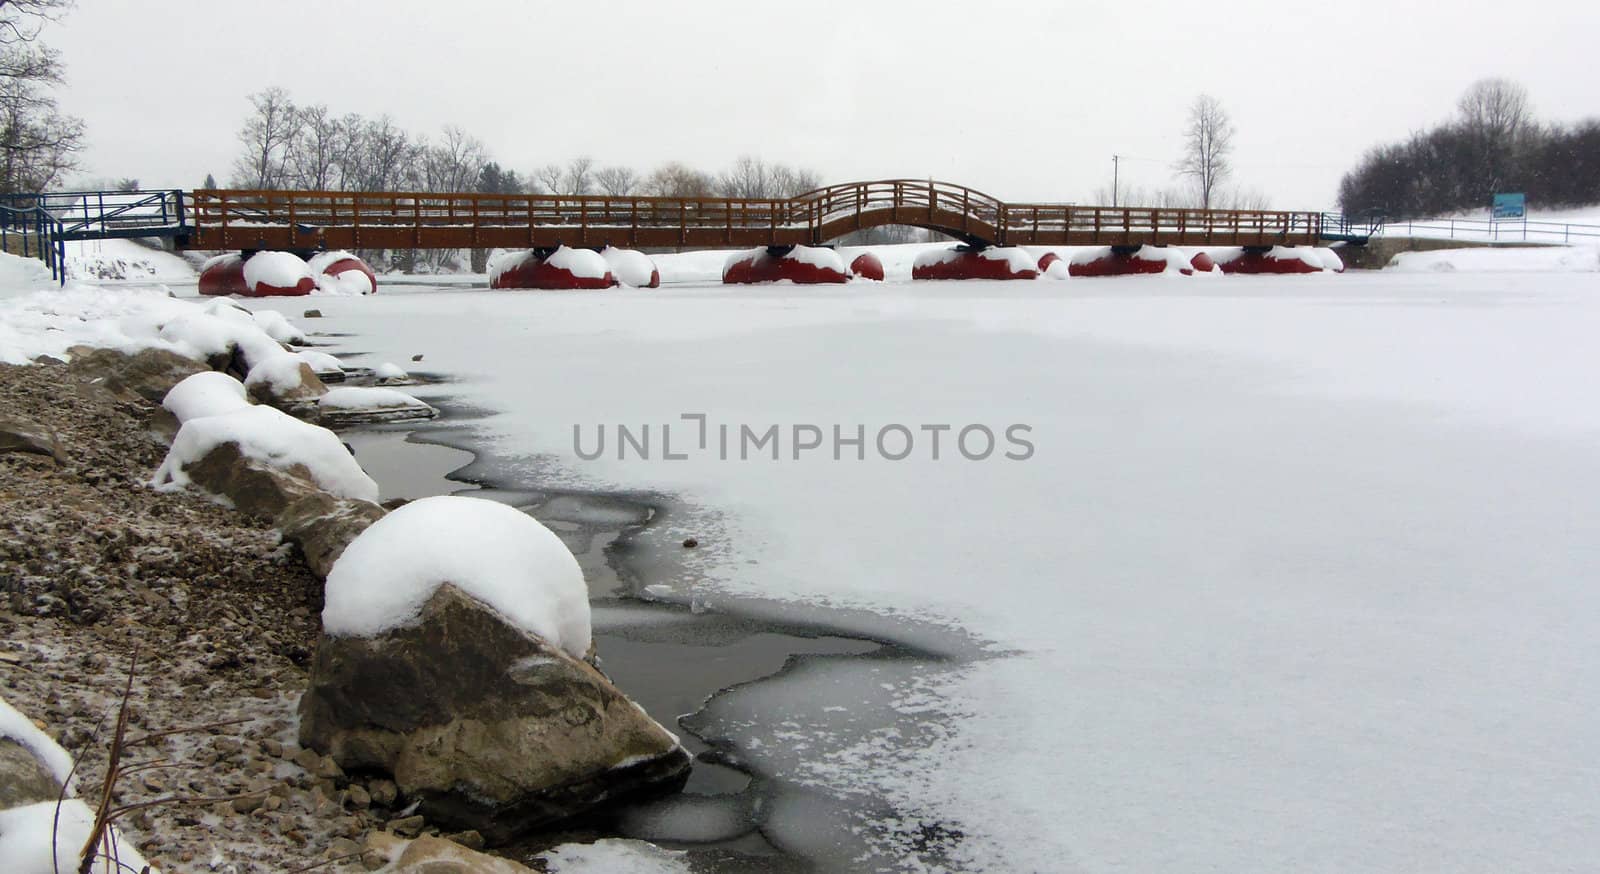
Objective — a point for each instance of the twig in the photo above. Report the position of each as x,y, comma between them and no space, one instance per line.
87,855
157,735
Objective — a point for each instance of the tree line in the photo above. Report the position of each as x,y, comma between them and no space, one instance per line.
284,145
1493,144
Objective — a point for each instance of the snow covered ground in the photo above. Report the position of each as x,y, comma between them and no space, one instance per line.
1298,574
1577,226
124,259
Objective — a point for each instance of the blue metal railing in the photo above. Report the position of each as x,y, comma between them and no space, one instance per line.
39,234
45,221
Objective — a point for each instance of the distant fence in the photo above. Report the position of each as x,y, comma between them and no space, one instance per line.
1498,231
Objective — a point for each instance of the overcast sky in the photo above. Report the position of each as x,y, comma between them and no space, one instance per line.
1027,101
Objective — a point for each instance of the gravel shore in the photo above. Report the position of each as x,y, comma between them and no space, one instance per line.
94,566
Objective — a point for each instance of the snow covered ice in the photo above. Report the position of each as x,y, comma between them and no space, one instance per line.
1294,580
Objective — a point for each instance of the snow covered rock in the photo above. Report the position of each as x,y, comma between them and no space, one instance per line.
26,846
632,267
341,407
276,326
565,269
205,394
223,275
287,382
802,265
486,724
867,266
389,373
23,778
325,366
994,262
261,460
33,767
277,274
452,658
147,373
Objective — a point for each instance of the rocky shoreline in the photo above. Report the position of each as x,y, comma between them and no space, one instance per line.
216,614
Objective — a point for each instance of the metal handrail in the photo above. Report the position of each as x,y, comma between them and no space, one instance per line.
1497,230
45,240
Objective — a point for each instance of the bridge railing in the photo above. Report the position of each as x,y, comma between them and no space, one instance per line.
236,208
32,232
982,215
815,216
1038,218
98,214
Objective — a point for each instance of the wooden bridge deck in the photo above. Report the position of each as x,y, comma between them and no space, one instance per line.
231,219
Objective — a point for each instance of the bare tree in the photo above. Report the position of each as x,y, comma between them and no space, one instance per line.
316,151
748,177
793,181
676,179
617,180
579,178
1494,108
751,177
551,177
455,164
266,136
21,20
386,159
1208,141
38,143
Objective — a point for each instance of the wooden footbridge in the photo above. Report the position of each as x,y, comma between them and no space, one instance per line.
223,219
216,219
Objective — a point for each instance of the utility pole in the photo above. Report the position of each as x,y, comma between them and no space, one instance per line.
1116,167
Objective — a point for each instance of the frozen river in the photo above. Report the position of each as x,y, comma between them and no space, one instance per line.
1293,573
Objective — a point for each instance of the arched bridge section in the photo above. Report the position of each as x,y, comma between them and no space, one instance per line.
235,219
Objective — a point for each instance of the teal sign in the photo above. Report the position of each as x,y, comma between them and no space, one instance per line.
1510,206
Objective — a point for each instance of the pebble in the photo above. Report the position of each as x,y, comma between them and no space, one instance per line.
359,797
247,804
409,827
384,792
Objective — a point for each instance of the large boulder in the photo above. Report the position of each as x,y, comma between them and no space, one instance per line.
483,723
21,435
322,525
287,382
252,486
148,373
